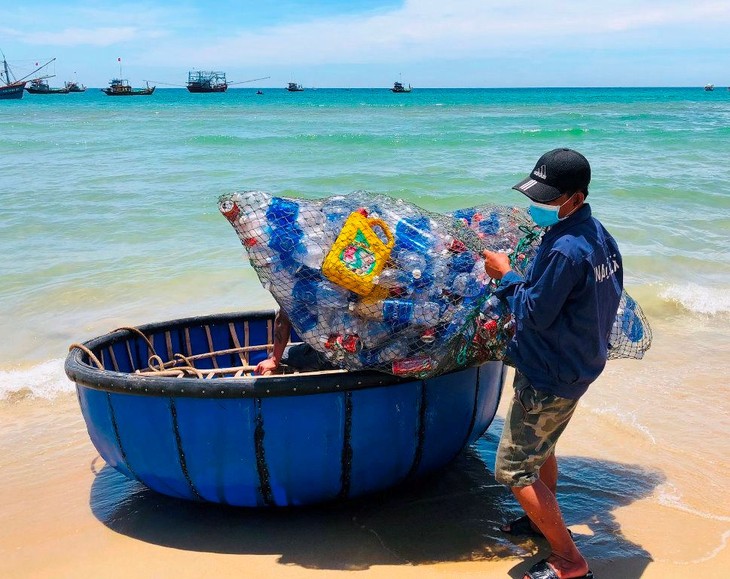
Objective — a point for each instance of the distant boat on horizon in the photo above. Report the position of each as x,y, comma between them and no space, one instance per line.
73,86
121,87
294,87
40,86
398,87
709,87
202,81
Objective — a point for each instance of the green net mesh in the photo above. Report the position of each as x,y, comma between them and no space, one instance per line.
372,282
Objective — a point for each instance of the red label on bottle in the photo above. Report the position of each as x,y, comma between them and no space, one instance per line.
412,366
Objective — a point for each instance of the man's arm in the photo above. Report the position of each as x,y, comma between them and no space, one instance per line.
282,331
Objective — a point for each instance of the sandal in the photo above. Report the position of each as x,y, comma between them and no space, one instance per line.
543,570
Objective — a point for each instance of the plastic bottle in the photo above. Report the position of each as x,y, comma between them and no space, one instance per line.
316,335
399,311
393,278
336,210
328,295
303,317
412,263
282,212
253,229
467,285
631,324
383,355
375,333
489,225
462,262
284,240
493,308
309,253
414,234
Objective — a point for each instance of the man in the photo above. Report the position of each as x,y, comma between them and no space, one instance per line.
564,309
301,357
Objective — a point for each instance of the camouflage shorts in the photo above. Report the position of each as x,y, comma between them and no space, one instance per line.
534,422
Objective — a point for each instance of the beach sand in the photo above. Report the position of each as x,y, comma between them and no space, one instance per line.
65,513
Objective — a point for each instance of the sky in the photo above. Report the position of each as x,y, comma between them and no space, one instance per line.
372,43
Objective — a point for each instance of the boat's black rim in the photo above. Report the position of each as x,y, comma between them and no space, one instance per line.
89,376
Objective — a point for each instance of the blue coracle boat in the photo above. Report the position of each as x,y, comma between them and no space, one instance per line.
171,405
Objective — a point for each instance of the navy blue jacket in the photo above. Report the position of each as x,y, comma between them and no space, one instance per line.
565,306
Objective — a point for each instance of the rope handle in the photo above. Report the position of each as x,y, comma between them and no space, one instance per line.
88,352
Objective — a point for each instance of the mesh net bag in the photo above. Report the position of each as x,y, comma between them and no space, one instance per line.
376,283
631,334
371,282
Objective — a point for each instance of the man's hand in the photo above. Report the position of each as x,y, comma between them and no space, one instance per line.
266,367
496,264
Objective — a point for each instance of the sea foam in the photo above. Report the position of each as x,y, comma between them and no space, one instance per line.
698,299
45,380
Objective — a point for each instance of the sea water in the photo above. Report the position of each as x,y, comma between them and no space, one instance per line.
109,219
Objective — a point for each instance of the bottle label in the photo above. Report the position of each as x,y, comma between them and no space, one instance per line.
397,311
413,366
357,256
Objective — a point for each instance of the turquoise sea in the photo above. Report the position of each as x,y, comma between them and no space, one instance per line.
109,219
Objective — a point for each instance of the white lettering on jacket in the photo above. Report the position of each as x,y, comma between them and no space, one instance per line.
606,270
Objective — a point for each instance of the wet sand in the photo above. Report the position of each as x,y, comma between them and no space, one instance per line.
65,513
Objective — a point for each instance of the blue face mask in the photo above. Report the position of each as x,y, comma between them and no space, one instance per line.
544,215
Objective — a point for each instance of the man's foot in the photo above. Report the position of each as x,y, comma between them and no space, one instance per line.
523,527
553,570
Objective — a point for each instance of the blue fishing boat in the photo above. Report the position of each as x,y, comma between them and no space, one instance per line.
175,406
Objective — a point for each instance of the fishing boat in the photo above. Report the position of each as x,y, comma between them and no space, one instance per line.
121,87
709,87
73,86
175,406
201,81
9,87
398,87
40,86
294,87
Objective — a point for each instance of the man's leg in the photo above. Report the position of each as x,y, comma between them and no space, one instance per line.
541,506
549,473
549,477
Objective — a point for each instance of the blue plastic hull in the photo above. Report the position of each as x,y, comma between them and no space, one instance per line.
282,441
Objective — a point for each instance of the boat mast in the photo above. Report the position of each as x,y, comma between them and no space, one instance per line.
7,72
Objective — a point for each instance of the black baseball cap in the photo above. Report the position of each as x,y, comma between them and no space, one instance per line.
555,173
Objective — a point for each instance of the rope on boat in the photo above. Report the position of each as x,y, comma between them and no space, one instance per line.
89,353
181,365
140,334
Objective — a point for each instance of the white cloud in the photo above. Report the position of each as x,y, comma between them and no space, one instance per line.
426,29
80,36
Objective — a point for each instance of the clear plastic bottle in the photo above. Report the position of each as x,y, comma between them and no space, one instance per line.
309,253
375,333
393,278
400,311
381,356
335,211
329,295
412,263
467,285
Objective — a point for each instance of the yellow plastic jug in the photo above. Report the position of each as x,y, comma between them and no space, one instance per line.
358,254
